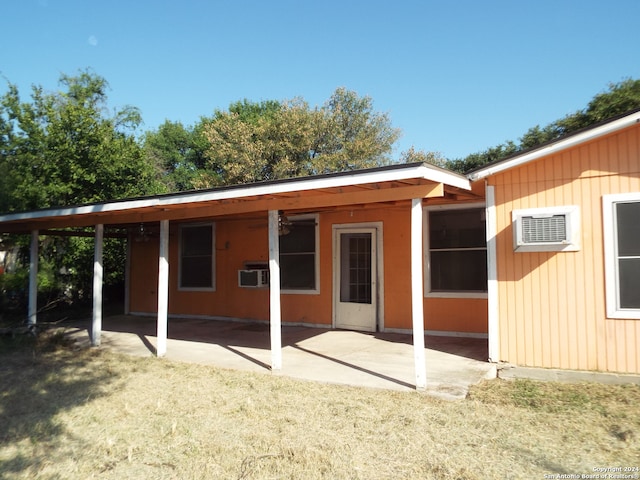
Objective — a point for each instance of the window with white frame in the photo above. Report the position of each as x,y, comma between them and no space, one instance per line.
299,254
456,251
197,257
621,221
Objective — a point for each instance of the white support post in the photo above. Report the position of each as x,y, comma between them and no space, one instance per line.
275,321
33,280
163,289
492,275
98,274
127,277
417,307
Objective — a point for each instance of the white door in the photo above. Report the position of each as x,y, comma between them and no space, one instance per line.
355,279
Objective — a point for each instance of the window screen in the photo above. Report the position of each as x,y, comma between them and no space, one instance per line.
196,256
298,255
628,253
457,250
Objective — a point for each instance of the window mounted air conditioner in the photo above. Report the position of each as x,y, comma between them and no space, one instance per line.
553,229
253,278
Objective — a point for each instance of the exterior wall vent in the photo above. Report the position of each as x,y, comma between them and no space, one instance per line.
554,229
544,229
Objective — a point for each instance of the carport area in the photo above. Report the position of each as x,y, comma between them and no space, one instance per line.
375,360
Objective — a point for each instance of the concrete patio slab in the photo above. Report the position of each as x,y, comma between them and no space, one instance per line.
375,360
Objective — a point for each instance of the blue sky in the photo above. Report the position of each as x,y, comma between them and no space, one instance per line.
455,76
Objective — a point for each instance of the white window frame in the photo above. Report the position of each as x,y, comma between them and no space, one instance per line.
611,255
426,252
572,224
316,290
212,288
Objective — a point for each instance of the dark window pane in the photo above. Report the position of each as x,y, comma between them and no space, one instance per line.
457,228
298,256
459,271
196,257
629,270
196,240
628,223
301,237
196,272
298,272
355,266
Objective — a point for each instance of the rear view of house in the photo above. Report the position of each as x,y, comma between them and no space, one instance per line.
346,265
538,253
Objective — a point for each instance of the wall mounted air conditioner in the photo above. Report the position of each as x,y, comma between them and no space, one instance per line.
553,229
253,278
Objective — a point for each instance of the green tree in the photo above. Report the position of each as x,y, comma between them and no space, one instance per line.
482,158
269,140
63,148
350,134
419,156
178,153
620,98
253,112
66,148
258,141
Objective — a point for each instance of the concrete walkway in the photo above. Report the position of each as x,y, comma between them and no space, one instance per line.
377,360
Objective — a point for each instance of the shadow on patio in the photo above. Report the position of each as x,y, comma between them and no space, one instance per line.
377,360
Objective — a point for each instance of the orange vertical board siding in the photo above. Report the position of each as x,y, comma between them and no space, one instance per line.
552,304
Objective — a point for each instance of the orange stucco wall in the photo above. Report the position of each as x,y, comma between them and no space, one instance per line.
552,304
240,240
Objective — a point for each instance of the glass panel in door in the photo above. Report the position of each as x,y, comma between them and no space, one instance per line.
355,261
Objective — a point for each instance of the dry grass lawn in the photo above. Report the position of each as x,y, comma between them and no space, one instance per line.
82,414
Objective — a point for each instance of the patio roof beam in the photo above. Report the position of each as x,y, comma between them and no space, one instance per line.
232,207
72,233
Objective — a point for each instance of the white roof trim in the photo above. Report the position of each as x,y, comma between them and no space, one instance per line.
555,147
303,184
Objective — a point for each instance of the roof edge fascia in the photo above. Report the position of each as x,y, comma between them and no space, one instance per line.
411,171
556,147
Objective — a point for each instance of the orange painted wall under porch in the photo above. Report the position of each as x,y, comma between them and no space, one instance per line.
245,239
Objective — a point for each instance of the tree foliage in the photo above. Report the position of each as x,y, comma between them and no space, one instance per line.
66,148
178,153
270,140
476,160
352,134
620,98
63,148
253,142
420,156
